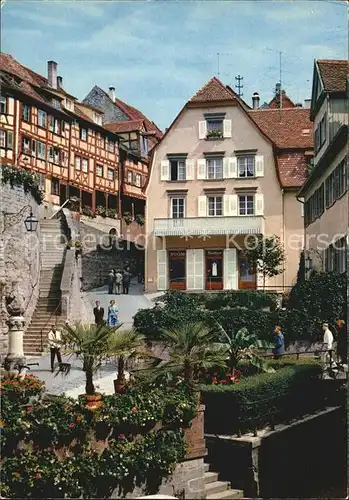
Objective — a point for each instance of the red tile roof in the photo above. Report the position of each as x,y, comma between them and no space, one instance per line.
292,168
286,128
213,90
286,102
334,74
126,126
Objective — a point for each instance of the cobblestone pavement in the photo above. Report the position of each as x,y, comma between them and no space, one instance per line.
128,305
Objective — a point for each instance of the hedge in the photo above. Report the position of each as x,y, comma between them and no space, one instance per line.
263,399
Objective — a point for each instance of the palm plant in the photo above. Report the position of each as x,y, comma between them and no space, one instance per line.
191,347
242,346
90,343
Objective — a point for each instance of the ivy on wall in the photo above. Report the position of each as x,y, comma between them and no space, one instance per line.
19,177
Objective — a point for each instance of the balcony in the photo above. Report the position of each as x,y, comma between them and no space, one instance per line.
199,226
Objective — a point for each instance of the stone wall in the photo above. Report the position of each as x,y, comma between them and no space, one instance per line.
19,255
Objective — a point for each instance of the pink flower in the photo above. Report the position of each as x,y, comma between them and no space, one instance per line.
72,425
121,436
134,410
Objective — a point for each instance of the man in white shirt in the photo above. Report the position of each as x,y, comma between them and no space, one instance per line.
54,341
328,341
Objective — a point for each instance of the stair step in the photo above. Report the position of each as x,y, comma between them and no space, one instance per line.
211,477
216,487
226,495
206,467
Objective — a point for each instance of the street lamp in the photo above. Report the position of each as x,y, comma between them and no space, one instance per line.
31,223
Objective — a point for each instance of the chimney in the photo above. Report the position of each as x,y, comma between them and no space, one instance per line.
52,74
111,93
59,81
255,100
307,103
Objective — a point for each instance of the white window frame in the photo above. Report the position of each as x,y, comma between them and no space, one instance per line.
26,144
246,201
97,118
215,168
26,113
112,176
243,161
78,162
111,146
42,118
129,177
99,170
3,105
177,199
138,180
218,121
53,154
84,165
215,199
41,150
83,134
180,162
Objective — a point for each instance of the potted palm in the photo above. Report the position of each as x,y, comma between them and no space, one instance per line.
90,343
192,347
124,345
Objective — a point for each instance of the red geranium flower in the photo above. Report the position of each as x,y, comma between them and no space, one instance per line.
16,474
72,425
38,475
121,436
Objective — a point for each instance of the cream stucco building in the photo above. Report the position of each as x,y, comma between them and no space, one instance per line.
222,172
326,190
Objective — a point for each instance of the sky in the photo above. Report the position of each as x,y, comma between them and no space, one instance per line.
158,53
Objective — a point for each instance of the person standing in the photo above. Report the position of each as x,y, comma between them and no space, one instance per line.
113,319
54,340
118,281
110,281
279,343
328,344
98,312
126,280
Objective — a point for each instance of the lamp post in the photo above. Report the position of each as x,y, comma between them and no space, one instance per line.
12,304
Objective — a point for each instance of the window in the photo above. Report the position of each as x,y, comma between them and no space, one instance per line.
214,168
129,177
53,155
138,180
320,133
246,204
42,118
9,140
83,134
33,148
77,162
3,105
336,183
246,166
102,142
41,150
55,186
99,170
25,144
69,104
84,165
54,125
26,113
335,256
144,145
314,206
110,174
56,103
111,146
2,139
177,170
215,126
215,206
177,208
97,118
62,157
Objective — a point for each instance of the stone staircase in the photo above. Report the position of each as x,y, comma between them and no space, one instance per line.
47,311
216,489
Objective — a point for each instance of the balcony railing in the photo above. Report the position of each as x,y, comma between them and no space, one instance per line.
197,226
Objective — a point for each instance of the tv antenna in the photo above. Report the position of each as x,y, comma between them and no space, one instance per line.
239,85
280,63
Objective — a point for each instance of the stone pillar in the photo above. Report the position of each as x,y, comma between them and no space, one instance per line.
15,352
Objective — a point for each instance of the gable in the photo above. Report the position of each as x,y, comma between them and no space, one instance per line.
317,89
99,99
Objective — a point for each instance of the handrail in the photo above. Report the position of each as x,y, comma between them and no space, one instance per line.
47,322
62,206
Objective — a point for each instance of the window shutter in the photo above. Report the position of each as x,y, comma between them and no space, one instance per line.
165,170
202,129
202,206
230,204
227,128
162,269
232,168
259,166
259,204
189,167
201,169
195,269
230,269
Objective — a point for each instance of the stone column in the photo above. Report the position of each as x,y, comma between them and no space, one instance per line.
15,353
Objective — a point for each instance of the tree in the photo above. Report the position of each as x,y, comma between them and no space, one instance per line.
265,255
301,269
242,346
191,347
91,343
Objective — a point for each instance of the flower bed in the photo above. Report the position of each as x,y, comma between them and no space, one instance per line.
259,400
57,447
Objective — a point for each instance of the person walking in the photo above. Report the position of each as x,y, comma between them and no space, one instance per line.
328,344
126,280
54,341
118,281
113,319
98,312
111,278
279,343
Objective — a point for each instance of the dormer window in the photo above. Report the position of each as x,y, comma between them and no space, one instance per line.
144,146
214,127
69,104
56,104
97,118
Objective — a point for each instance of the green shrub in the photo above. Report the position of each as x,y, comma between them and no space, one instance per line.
263,399
241,298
